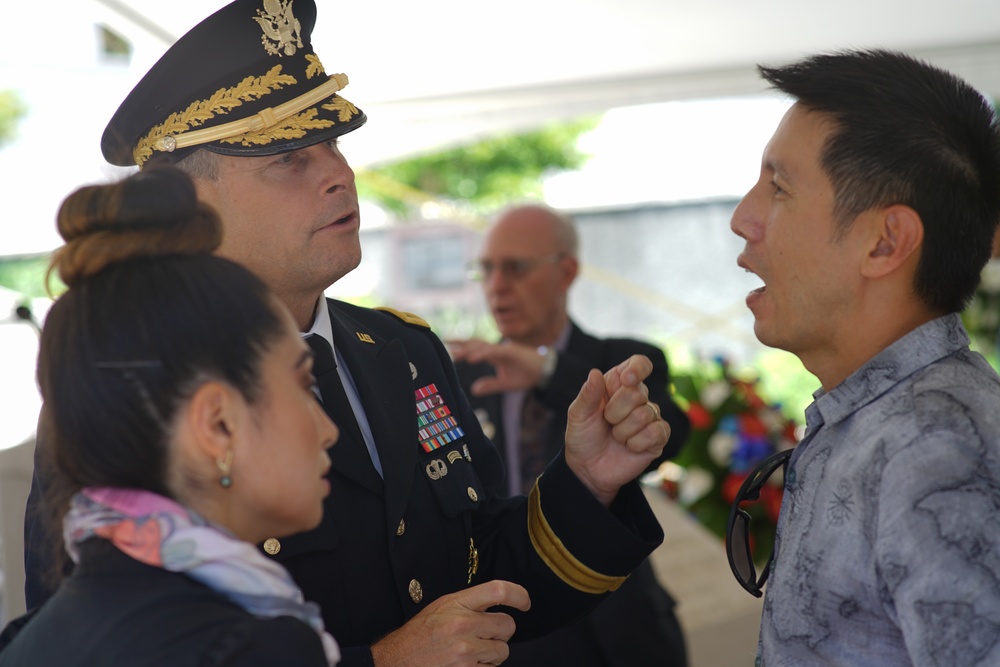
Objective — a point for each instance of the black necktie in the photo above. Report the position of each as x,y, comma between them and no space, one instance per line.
536,420
332,389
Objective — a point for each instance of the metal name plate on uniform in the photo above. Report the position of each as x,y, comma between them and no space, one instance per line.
435,423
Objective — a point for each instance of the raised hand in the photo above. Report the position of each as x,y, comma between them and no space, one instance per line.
613,431
517,366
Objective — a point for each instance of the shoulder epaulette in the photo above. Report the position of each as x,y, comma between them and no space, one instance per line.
409,318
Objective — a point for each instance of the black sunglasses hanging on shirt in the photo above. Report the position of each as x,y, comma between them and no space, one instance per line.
738,525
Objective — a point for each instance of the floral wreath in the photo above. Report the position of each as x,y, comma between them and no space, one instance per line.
732,430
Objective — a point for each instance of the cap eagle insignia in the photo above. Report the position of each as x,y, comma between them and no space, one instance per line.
280,26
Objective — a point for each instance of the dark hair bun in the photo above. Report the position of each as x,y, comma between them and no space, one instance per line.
149,214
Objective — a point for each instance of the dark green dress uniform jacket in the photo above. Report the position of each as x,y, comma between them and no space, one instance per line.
388,547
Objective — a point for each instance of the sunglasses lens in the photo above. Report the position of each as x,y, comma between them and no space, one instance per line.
739,550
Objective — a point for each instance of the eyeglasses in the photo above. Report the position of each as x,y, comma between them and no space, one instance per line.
738,526
511,269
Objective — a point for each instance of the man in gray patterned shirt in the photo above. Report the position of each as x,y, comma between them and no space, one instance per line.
878,197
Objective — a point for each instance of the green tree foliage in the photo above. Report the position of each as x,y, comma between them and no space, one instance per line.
482,176
26,274
20,274
12,109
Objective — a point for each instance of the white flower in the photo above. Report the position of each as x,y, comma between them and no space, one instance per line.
714,393
720,448
696,484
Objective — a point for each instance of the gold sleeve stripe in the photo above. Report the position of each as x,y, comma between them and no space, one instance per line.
555,554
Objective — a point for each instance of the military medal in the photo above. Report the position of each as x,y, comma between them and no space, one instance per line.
436,426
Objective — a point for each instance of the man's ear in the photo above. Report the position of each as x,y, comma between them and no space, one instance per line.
212,419
570,269
896,237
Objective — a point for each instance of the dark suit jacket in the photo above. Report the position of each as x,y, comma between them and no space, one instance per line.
379,538
114,610
583,353
636,624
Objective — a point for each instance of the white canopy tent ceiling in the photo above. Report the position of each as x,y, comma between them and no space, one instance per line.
439,72
436,73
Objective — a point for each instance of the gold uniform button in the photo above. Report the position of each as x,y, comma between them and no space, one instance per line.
401,528
272,546
416,591
473,495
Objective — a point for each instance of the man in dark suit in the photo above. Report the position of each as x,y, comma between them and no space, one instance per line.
418,545
521,387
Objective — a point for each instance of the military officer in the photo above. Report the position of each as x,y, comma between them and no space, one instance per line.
417,546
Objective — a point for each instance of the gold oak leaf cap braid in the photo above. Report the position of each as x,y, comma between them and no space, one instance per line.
559,559
244,82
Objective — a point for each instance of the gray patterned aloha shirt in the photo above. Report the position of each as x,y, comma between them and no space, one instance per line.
888,547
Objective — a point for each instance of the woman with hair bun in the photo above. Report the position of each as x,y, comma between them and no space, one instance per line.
183,431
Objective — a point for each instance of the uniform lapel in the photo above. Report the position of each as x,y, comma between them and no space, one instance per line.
381,372
348,458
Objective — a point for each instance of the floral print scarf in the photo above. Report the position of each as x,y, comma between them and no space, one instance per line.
157,531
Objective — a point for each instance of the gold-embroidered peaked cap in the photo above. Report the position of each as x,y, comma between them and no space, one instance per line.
245,81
